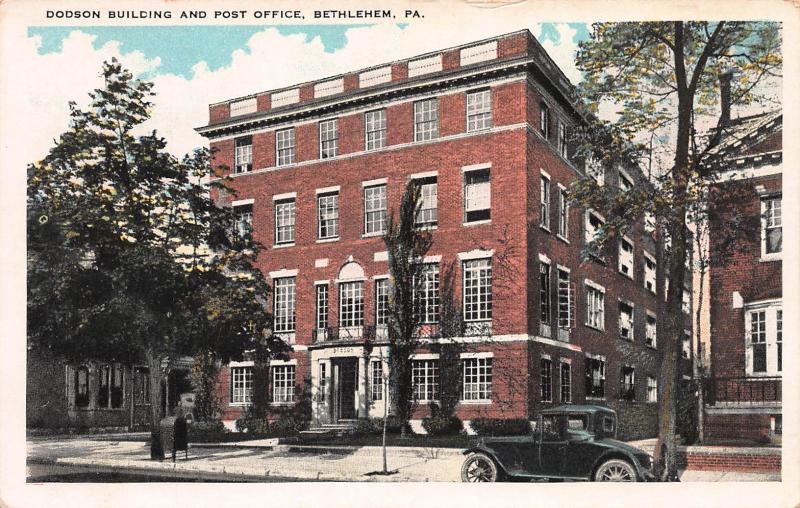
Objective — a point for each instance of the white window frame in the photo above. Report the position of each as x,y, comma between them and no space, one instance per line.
563,147
563,213
376,380
631,327
382,301
243,220
241,379
651,330
627,382
426,119
428,214
375,207
545,379
595,171
590,232
544,201
328,216
375,129
652,389
626,257
351,304
477,289
283,304
321,303
771,218
426,294
768,336
565,387
243,155
650,274
425,379
285,217
601,375
477,194
329,138
285,147
283,383
479,110
476,379
595,305
544,120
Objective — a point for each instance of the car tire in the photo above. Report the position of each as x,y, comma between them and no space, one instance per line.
479,467
615,470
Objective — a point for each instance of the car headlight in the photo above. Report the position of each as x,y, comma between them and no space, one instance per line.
645,461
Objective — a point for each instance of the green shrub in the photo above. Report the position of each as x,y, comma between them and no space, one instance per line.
252,425
442,425
286,426
368,426
207,431
501,426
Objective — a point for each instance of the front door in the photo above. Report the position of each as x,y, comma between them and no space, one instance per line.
346,375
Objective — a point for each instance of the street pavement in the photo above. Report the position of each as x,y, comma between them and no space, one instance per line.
266,461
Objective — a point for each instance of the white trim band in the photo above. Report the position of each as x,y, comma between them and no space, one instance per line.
277,274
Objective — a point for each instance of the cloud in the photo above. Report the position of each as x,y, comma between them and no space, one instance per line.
269,60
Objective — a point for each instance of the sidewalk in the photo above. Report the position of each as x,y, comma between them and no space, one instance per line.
254,460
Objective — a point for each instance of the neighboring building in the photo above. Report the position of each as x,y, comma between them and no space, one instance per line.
744,393
483,130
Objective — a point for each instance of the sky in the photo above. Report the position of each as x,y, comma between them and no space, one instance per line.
192,66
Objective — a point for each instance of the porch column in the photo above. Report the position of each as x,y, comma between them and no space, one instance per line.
361,395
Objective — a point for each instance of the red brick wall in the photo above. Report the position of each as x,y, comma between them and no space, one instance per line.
263,102
771,144
219,113
706,458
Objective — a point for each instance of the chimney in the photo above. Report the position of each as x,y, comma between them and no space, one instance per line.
725,98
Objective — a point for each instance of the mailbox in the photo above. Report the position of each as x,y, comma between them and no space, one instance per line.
174,435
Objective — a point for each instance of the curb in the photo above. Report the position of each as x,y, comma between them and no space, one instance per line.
403,451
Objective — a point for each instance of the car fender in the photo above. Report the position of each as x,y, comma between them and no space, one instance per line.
488,451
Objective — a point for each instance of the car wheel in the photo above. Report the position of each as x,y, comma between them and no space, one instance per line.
615,470
479,467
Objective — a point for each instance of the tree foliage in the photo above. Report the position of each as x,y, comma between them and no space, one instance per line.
662,78
129,257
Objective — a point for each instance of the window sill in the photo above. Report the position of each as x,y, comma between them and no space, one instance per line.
594,328
626,339
628,275
475,402
373,235
281,404
768,258
563,238
283,245
476,223
328,240
424,227
595,398
239,404
544,228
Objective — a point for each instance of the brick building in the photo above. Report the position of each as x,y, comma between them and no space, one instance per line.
744,392
482,128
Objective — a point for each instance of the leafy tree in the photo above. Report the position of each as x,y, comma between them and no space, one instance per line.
663,78
129,258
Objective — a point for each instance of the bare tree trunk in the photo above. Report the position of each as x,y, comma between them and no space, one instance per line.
154,373
385,419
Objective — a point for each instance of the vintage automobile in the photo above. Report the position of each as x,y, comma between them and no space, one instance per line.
570,442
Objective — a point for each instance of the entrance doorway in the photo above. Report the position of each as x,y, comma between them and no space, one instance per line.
345,375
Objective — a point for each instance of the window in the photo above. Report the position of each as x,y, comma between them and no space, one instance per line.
374,209
321,318
544,201
376,380
544,120
242,221
595,377
594,170
426,294
283,312
82,386
426,120
563,149
328,138
686,350
771,222
652,389
627,386
563,213
110,386
243,155
686,302
328,216
595,307
351,304
565,298
624,181
425,380
477,383
544,293
323,381
382,302
625,320
477,290
650,273
546,379
284,147
284,221
626,257
141,385
594,224
479,110
651,332
566,382
477,196
764,340
283,383
241,385
427,214
375,129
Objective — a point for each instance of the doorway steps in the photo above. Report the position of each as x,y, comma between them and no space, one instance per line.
340,428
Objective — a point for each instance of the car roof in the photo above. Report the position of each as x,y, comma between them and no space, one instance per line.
578,408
